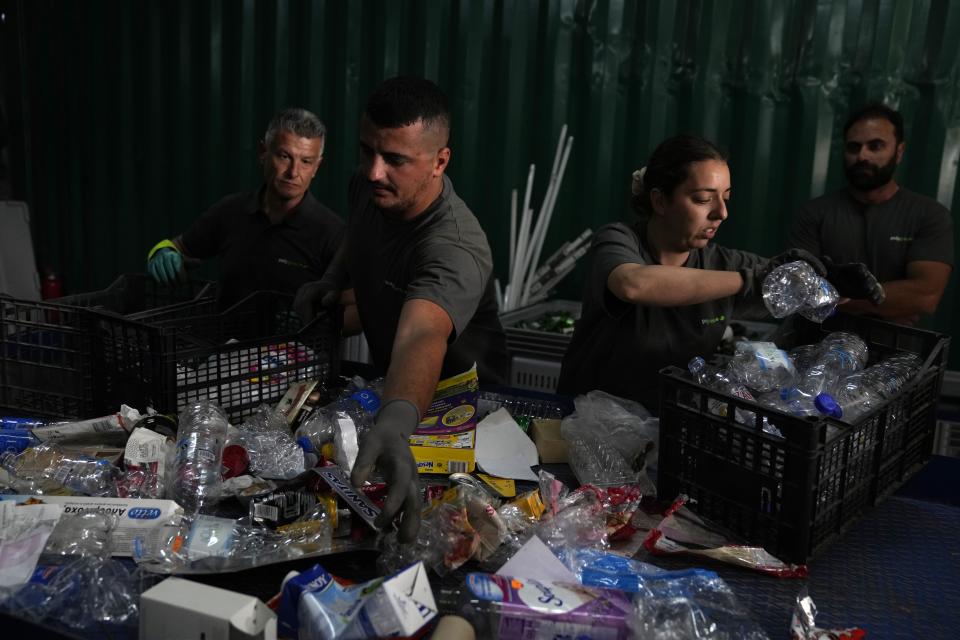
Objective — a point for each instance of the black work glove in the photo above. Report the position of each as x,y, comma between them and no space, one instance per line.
387,446
753,277
314,297
853,280
323,294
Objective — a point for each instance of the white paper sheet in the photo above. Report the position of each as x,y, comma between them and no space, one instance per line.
535,561
503,449
23,534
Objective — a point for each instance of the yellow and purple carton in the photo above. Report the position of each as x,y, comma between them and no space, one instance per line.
445,440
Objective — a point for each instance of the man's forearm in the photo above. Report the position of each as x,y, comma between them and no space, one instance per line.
415,367
906,299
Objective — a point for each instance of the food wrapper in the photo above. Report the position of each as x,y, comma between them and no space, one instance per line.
802,625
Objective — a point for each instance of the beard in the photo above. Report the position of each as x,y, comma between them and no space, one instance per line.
865,176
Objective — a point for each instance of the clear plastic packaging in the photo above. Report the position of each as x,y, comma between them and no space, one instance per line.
88,593
196,475
47,467
795,287
207,544
691,604
803,627
83,534
270,446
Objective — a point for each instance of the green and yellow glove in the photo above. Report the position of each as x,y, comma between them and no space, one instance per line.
164,262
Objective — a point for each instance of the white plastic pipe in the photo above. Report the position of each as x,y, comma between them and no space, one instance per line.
549,214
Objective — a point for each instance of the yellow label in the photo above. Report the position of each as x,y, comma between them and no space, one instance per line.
531,504
506,487
443,460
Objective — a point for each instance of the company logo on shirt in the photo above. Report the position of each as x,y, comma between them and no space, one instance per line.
706,322
901,238
394,287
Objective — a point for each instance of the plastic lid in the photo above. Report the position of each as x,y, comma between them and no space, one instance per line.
367,399
826,405
305,444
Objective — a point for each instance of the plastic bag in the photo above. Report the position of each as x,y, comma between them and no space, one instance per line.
682,605
622,424
463,524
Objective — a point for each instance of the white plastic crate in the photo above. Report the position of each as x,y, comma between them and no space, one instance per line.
534,373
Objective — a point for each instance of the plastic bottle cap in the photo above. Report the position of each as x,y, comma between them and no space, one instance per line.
305,444
367,399
826,405
236,461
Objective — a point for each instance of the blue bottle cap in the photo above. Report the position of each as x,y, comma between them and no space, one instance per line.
369,401
826,405
305,444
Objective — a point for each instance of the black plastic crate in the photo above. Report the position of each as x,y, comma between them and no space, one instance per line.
793,494
139,296
525,403
45,356
240,358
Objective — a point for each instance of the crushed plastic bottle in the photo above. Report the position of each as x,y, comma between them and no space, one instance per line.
46,467
837,356
714,378
761,366
795,287
196,475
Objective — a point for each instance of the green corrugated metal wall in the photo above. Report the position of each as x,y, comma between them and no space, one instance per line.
129,118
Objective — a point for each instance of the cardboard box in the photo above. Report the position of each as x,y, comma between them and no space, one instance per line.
445,440
550,444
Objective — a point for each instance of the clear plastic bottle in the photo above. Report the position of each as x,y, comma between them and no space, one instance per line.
195,480
837,356
865,391
46,467
795,287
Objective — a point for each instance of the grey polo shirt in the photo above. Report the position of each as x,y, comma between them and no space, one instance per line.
442,256
886,237
619,347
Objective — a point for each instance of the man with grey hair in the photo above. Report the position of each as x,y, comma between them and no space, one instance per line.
276,238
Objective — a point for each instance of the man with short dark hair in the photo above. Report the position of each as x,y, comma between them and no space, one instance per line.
276,238
420,269
904,238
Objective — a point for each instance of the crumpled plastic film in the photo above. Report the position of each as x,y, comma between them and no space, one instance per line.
687,605
270,445
83,534
88,593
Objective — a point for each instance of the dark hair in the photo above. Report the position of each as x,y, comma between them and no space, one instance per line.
669,166
401,101
301,122
877,111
